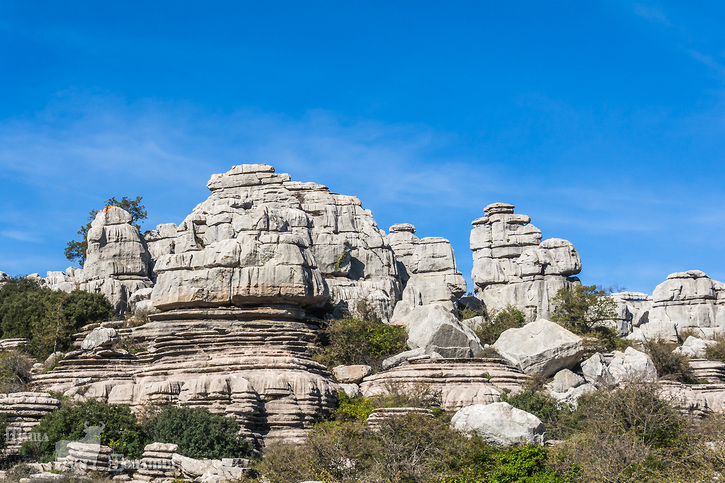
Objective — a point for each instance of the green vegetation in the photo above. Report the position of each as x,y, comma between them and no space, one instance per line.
120,429
47,318
357,341
716,351
669,364
14,371
409,448
198,433
76,249
583,308
509,318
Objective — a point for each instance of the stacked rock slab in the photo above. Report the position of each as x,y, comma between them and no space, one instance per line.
633,310
85,457
428,269
23,411
117,262
512,266
156,462
457,382
686,300
262,238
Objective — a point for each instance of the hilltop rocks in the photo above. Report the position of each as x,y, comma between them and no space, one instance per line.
540,347
117,262
500,424
428,268
512,266
686,300
261,238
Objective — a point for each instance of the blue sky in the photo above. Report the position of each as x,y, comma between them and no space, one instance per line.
604,120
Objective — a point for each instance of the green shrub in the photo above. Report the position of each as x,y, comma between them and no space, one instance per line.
357,341
45,317
120,429
547,409
716,351
509,318
15,369
407,448
198,433
583,308
669,364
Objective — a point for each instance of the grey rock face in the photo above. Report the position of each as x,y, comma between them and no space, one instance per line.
100,337
117,262
633,309
435,330
596,371
261,238
686,300
632,365
694,347
512,266
428,269
500,424
565,380
540,347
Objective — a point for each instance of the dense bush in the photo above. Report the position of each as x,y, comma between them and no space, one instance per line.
557,417
47,318
408,448
716,351
669,364
120,429
357,341
509,318
198,433
583,308
15,369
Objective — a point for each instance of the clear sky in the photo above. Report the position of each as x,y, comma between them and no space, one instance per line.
602,120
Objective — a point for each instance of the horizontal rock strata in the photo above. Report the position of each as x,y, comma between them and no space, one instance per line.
458,382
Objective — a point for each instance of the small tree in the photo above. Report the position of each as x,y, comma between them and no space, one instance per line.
76,249
583,308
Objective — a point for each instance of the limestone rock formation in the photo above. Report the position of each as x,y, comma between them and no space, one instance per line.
694,347
437,331
512,266
427,268
24,410
633,309
500,424
458,382
261,238
686,300
540,347
117,263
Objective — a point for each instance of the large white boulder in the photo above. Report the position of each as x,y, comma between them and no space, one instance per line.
596,371
694,347
632,365
436,330
500,424
100,337
540,347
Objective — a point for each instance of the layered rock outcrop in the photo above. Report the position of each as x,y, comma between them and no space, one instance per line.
512,266
427,268
456,382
